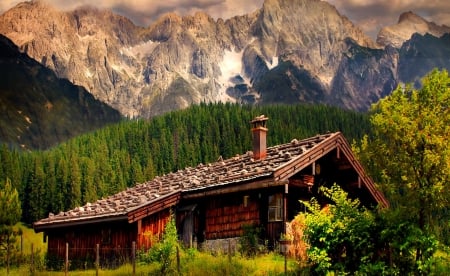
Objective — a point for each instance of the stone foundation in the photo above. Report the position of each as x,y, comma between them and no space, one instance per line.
222,246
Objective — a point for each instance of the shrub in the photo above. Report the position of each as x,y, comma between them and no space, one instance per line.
249,241
164,252
343,236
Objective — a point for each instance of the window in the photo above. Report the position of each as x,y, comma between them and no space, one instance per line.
276,207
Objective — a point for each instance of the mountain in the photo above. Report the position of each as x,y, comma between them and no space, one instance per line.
288,51
408,24
422,53
40,110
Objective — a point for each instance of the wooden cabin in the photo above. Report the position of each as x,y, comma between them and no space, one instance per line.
213,202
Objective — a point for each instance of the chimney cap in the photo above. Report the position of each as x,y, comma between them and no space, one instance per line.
260,118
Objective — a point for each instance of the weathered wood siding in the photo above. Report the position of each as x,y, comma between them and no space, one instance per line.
226,215
113,238
152,228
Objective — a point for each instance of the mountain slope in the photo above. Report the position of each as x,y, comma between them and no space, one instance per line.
39,109
422,53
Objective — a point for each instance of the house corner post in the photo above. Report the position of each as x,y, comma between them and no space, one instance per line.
66,262
133,257
97,258
286,191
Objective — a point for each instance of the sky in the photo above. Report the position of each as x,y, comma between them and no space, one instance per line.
370,15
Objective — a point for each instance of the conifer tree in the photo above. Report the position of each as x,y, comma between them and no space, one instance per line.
10,213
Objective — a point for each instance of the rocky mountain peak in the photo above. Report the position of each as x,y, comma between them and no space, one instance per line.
287,51
411,17
309,33
408,24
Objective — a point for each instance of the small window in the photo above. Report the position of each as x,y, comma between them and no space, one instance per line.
276,207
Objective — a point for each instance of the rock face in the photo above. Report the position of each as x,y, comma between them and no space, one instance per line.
421,54
40,110
288,51
408,24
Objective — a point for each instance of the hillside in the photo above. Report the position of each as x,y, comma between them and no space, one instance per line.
40,110
119,156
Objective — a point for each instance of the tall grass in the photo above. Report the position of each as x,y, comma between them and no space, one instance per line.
193,264
29,237
20,258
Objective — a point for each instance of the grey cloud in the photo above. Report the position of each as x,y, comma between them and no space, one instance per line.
144,12
371,15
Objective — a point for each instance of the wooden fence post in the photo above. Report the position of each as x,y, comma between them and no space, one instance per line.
32,261
178,260
97,258
133,256
66,260
229,250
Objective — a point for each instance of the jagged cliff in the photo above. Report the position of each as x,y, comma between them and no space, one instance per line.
288,51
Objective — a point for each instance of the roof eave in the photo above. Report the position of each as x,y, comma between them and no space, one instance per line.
40,227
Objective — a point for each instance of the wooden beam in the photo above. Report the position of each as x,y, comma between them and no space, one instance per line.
139,226
265,183
154,207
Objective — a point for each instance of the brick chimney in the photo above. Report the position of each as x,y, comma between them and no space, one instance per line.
259,133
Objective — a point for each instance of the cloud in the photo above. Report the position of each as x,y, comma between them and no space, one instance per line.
144,12
370,15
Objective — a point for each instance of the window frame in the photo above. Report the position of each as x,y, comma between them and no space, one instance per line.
275,208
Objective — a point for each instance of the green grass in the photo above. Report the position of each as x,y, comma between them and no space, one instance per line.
23,251
29,237
192,262
198,264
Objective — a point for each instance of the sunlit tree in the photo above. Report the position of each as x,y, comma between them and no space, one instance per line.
409,155
10,213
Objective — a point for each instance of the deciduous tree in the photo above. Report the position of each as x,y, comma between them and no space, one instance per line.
409,155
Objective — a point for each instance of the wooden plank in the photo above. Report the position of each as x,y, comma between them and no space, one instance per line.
264,183
154,207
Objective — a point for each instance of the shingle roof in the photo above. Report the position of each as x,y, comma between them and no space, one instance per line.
218,174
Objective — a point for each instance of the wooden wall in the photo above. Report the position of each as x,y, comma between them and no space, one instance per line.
152,228
112,237
225,215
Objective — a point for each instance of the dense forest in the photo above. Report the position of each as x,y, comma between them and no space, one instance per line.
104,162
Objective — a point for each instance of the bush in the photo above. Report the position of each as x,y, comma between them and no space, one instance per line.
249,241
342,237
163,252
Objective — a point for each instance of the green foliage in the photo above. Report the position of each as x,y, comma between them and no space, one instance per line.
249,241
164,252
10,213
409,156
342,237
10,210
